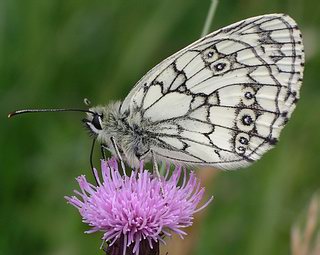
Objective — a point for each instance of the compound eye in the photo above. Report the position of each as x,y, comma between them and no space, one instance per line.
96,122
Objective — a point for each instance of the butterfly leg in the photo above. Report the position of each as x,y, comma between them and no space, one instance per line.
114,144
103,151
156,169
91,160
155,164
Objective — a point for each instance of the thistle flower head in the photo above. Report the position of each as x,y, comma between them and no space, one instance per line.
137,208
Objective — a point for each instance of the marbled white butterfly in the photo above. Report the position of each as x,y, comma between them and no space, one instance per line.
221,101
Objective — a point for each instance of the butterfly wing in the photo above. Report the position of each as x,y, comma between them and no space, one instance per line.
224,99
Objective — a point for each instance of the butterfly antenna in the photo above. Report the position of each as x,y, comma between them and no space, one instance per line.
18,112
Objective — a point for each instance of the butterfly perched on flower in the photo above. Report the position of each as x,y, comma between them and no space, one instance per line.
221,101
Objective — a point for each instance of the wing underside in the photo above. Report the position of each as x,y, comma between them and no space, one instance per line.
224,99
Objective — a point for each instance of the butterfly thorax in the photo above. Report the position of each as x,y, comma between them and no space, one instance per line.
126,130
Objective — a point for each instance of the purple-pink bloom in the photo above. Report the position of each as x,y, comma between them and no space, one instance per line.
138,207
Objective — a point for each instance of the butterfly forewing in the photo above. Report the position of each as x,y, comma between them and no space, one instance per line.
224,99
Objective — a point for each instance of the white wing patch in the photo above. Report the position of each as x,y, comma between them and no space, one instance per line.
223,100
165,105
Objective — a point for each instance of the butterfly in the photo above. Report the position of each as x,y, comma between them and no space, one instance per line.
221,101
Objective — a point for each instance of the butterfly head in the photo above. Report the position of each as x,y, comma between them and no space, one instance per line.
103,122
94,120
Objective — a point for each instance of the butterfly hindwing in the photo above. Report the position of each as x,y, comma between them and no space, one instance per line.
224,99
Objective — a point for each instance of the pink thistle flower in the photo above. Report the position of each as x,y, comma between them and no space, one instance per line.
137,209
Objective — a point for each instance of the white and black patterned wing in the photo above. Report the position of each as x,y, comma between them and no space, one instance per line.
224,99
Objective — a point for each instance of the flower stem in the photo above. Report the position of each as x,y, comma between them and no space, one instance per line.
144,249
211,12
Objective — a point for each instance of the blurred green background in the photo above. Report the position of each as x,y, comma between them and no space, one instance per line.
53,53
